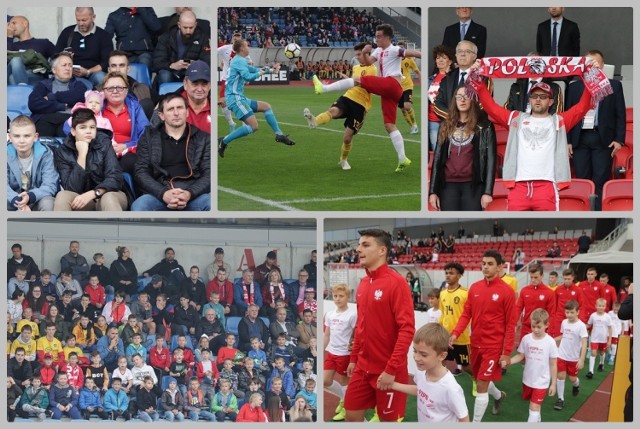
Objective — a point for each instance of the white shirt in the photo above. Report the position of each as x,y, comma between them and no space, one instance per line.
536,148
341,326
433,315
616,327
439,401
224,52
389,60
572,335
537,352
600,325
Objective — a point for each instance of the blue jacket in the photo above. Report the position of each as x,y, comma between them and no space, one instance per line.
133,32
63,396
287,381
238,296
89,398
116,401
44,177
54,102
109,357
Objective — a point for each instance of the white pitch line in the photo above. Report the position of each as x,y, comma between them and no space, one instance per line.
257,199
354,197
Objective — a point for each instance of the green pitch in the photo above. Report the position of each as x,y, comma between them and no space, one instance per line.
259,174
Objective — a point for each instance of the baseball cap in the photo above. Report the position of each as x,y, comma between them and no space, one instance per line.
544,87
48,356
198,70
218,251
272,255
156,278
310,289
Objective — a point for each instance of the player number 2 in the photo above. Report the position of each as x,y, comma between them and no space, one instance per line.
390,395
491,364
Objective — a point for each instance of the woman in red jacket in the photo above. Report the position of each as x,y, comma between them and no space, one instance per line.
252,411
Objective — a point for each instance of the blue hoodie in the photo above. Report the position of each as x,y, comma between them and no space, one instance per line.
89,398
116,401
44,177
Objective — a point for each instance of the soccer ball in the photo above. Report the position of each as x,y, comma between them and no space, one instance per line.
292,50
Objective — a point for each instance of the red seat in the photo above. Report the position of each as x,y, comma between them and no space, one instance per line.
577,203
617,195
629,114
580,196
500,193
620,163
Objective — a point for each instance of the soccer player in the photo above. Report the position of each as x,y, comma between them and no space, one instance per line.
600,325
339,325
564,293
383,335
491,307
592,290
226,53
240,72
388,86
571,351
533,296
352,106
408,65
553,281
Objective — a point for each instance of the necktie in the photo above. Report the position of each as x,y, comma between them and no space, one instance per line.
463,31
554,40
462,75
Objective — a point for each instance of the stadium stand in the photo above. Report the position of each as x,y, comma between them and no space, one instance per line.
617,195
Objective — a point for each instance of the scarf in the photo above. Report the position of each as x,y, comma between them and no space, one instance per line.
272,290
247,295
117,311
595,81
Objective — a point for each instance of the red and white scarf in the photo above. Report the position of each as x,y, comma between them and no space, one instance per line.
272,290
247,294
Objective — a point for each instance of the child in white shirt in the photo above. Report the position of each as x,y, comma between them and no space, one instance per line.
434,313
601,329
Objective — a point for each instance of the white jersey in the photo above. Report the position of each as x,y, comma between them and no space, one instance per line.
389,60
537,352
341,326
600,324
225,53
536,149
571,342
439,401
616,327
433,315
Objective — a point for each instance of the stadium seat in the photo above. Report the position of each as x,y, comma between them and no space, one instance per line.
617,195
140,72
499,202
18,100
629,115
232,324
174,342
266,321
581,191
129,181
574,203
169,87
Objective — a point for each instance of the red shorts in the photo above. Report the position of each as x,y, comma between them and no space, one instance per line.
568,367
362,393
485,363
337,363
533,395
599,346
614,340
534,195
221,93
390,91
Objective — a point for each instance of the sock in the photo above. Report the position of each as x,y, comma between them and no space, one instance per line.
412,117
614,350
272,121
602,359
336,389
534,417
228,115
344,151
407,117
560,389
576,383
341,85
344,391
398,144
244,130
480,406
592,363
494,391
323,118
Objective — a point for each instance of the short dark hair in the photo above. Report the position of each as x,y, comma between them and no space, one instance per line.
536,268
82,116
495,255
382,237
360,46
455,266
16,246
119,53
572,304
164,100
386,29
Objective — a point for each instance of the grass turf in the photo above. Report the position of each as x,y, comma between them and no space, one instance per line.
259,174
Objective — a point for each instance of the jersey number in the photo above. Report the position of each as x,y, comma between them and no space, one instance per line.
390,395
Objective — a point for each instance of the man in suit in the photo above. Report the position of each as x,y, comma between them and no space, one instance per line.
471,30
567,41
601,133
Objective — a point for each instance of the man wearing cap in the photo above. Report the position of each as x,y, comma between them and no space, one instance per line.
536,160
261,271
218,262
197,92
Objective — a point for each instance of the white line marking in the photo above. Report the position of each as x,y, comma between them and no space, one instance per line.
603,392
354,197
257,199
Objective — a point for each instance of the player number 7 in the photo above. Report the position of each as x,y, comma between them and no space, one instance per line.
390,394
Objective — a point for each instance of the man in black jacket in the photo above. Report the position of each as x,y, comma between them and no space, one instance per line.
184,183
466,29
19,259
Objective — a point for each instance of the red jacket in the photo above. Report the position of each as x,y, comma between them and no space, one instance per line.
590,293
201,373
75,374
47,373
96,296
249,414
531,298
225,291
611,295
188,356
160,359
563,295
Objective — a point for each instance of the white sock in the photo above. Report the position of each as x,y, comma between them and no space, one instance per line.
602,359
344,391
560,389
398,144
336,389
494,391
592,363
614,349
480,406
340,85
228,115
576,383
534,417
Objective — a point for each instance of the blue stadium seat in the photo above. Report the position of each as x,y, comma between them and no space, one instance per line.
140,72
129,181
266,321
169,87
18,100
174,342
232,324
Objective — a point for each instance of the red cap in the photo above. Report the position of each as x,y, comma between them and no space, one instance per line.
48,356
544,87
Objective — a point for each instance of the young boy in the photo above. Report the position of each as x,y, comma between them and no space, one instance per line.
187,353
339,325
98,372
32,180
309,303
71,347
63,399
309,394
207,372
160,358
179,369
540,368
103,275
434,313
124,374
26,341
143,310
95,290
259,356
34,400
617,328
276,390
27,319
134,348
196,403
116,401
225,403
171,402
227,373
85,337
284,373
440,397
255,386
247,373
141,371
214,302
89,401
48,290
48,371
571,351
75,374
228,351
306,374
600,325
18,282
281,349
147,400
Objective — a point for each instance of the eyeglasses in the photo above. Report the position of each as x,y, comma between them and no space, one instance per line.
82,45
539,96
461,97
114,88
465,51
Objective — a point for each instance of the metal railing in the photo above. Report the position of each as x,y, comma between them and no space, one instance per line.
608,241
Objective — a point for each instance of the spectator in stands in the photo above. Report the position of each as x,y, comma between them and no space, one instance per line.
443,57
554,251
270,263
19,259
123,271
171,21
273,289
463,171
197,92
295,290
246,292
110,347
89,46
466,29
90,176
133,28
566,33
178,47
312,268
218,262
595,140
78,263
32,180
518,259
51,99
28,61
183,183
252,326
147,97
194,288
584,241
224,288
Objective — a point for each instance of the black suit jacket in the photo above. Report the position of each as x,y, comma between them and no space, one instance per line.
568,40
518,98
611,114
476,33
448,87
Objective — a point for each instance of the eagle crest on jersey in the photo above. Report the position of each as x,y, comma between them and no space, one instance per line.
377,294
495,296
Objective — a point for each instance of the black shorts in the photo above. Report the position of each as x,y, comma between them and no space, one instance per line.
353,113
407,96
460,353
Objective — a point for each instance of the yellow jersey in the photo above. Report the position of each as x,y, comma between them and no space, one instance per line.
30,348
35,330
54,347
553,288
511,281
67,350
407,66
452,306
357,93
